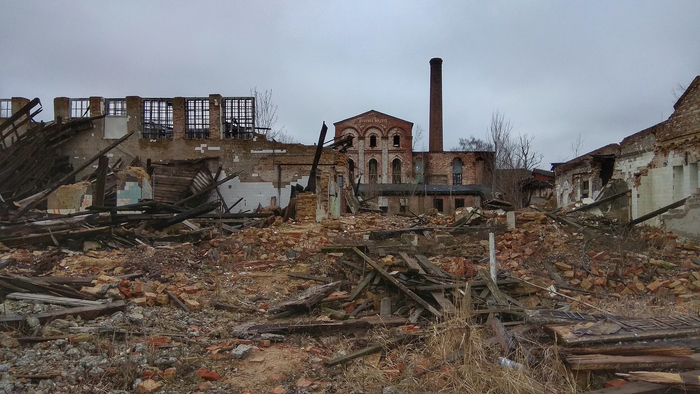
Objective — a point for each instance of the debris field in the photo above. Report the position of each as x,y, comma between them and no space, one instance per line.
367,303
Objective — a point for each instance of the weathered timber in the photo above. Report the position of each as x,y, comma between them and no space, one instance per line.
302,275
638,388
360,353
685,380
85,312
316,326
194,212
177,301
560,219
231,307
493,288
65,179
601,362
309,298
53,236
599,202
358,289
412,264
656,213
629,330
398,284
98,195
208,188
47,299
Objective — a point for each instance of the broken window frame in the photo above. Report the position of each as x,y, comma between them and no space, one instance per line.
157,119
438,204
419,170
373,170
457,171
80,108
115,107
585,189
5,108
403,204
351,167
197,118
239,117
459,203
396,171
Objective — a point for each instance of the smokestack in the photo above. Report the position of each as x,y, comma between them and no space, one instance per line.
435,137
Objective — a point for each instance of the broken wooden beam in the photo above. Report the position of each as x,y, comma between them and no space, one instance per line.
85,312
65,179
398,284
47,299
493,288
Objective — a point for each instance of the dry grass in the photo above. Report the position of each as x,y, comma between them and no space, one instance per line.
423,367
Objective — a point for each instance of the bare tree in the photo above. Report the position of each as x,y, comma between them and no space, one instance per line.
417,137
266,116
514,159
576,145
473,144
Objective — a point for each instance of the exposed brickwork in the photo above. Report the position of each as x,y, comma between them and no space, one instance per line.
306,207
435,129
61,108
179,125
215,116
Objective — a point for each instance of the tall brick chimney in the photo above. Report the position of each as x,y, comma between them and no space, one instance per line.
435,137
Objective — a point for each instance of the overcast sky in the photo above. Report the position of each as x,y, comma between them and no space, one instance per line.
605,69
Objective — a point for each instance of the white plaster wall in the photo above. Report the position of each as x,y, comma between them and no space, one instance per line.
254,193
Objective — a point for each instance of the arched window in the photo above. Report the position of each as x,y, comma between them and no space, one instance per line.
397,140
373,176
396,171
351,138
457,171
351,168
419,170
373,141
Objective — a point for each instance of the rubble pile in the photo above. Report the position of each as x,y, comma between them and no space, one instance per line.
363,303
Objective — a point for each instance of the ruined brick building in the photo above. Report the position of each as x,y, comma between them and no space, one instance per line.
381,159
658,165
183,138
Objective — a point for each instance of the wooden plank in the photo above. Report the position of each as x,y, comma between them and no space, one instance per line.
636,388
360,353
564,335
493,288
398,284
177,301
47,299
302,275
411,263
85,312
430,267
686,380
602,362
358,289
446,304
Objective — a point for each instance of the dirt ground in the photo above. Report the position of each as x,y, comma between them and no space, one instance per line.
152,345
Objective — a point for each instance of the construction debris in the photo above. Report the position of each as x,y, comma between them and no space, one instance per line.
302,304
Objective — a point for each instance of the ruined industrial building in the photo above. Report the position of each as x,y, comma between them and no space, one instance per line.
164,245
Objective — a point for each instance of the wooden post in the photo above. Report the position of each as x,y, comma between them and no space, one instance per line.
385,307
492,257
98,194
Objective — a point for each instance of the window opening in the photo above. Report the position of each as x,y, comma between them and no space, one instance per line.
403,204
351,167
197,118
239,117
373,176
419,171
437,204
116,107
373,141
396,171
459,203
397,140
584,189
157,119
5,108
457,172
79,108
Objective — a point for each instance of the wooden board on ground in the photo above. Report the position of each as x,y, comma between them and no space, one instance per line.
85,312
601,362
627,330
